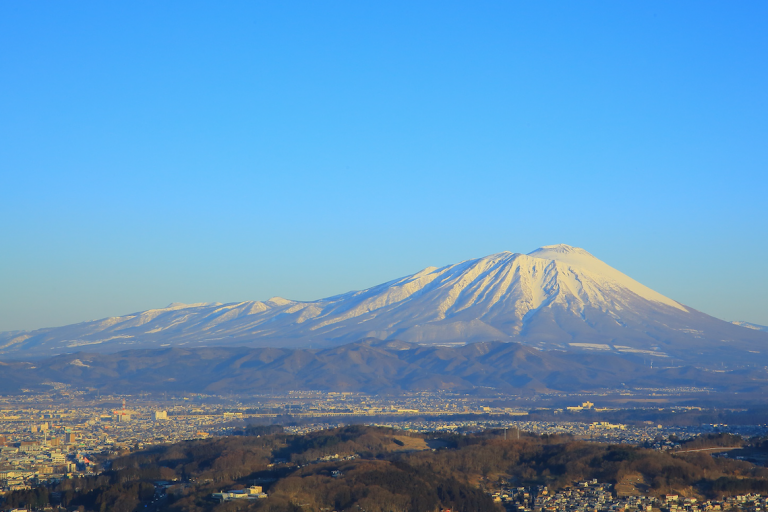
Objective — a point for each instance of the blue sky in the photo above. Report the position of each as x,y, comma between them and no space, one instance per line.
155,152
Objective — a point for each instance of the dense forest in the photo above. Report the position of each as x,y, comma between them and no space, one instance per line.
374,469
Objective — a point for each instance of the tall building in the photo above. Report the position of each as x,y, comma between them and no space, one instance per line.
161,415
70,438
122,414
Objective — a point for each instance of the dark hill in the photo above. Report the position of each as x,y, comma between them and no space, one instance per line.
371,366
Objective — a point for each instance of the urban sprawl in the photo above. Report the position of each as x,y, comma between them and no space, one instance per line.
42,440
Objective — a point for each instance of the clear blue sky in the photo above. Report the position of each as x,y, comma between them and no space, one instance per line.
153,152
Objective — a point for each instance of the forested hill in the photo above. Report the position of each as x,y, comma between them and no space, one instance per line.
380,470
371,366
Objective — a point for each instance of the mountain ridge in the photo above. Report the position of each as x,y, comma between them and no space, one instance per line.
556,297
750,325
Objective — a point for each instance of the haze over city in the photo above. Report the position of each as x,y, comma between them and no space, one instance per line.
159,153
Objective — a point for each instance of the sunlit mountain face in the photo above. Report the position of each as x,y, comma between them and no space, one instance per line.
555,298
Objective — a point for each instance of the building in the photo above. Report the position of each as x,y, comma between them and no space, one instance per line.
29,446
606,425
251,493
161,415
121,414
70,438
584,406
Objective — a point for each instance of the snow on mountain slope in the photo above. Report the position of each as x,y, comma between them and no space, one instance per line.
556,297
601,273
748,325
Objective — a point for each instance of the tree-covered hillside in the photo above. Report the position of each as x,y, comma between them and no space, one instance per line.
378,470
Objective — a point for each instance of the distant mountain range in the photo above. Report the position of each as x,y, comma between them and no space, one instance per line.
755,327
372,366
555,298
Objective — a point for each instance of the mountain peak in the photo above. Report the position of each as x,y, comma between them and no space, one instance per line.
561,248
183,305
279,301
548,251
556,297
605,275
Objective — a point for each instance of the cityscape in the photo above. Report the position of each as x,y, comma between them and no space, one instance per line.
41,441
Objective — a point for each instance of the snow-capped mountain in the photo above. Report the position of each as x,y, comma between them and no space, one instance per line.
556,297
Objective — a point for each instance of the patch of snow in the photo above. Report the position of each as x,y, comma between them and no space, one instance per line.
591,346
279,301
180,305
749,325
638,351
81,343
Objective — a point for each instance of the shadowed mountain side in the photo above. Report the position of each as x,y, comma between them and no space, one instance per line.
371,366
